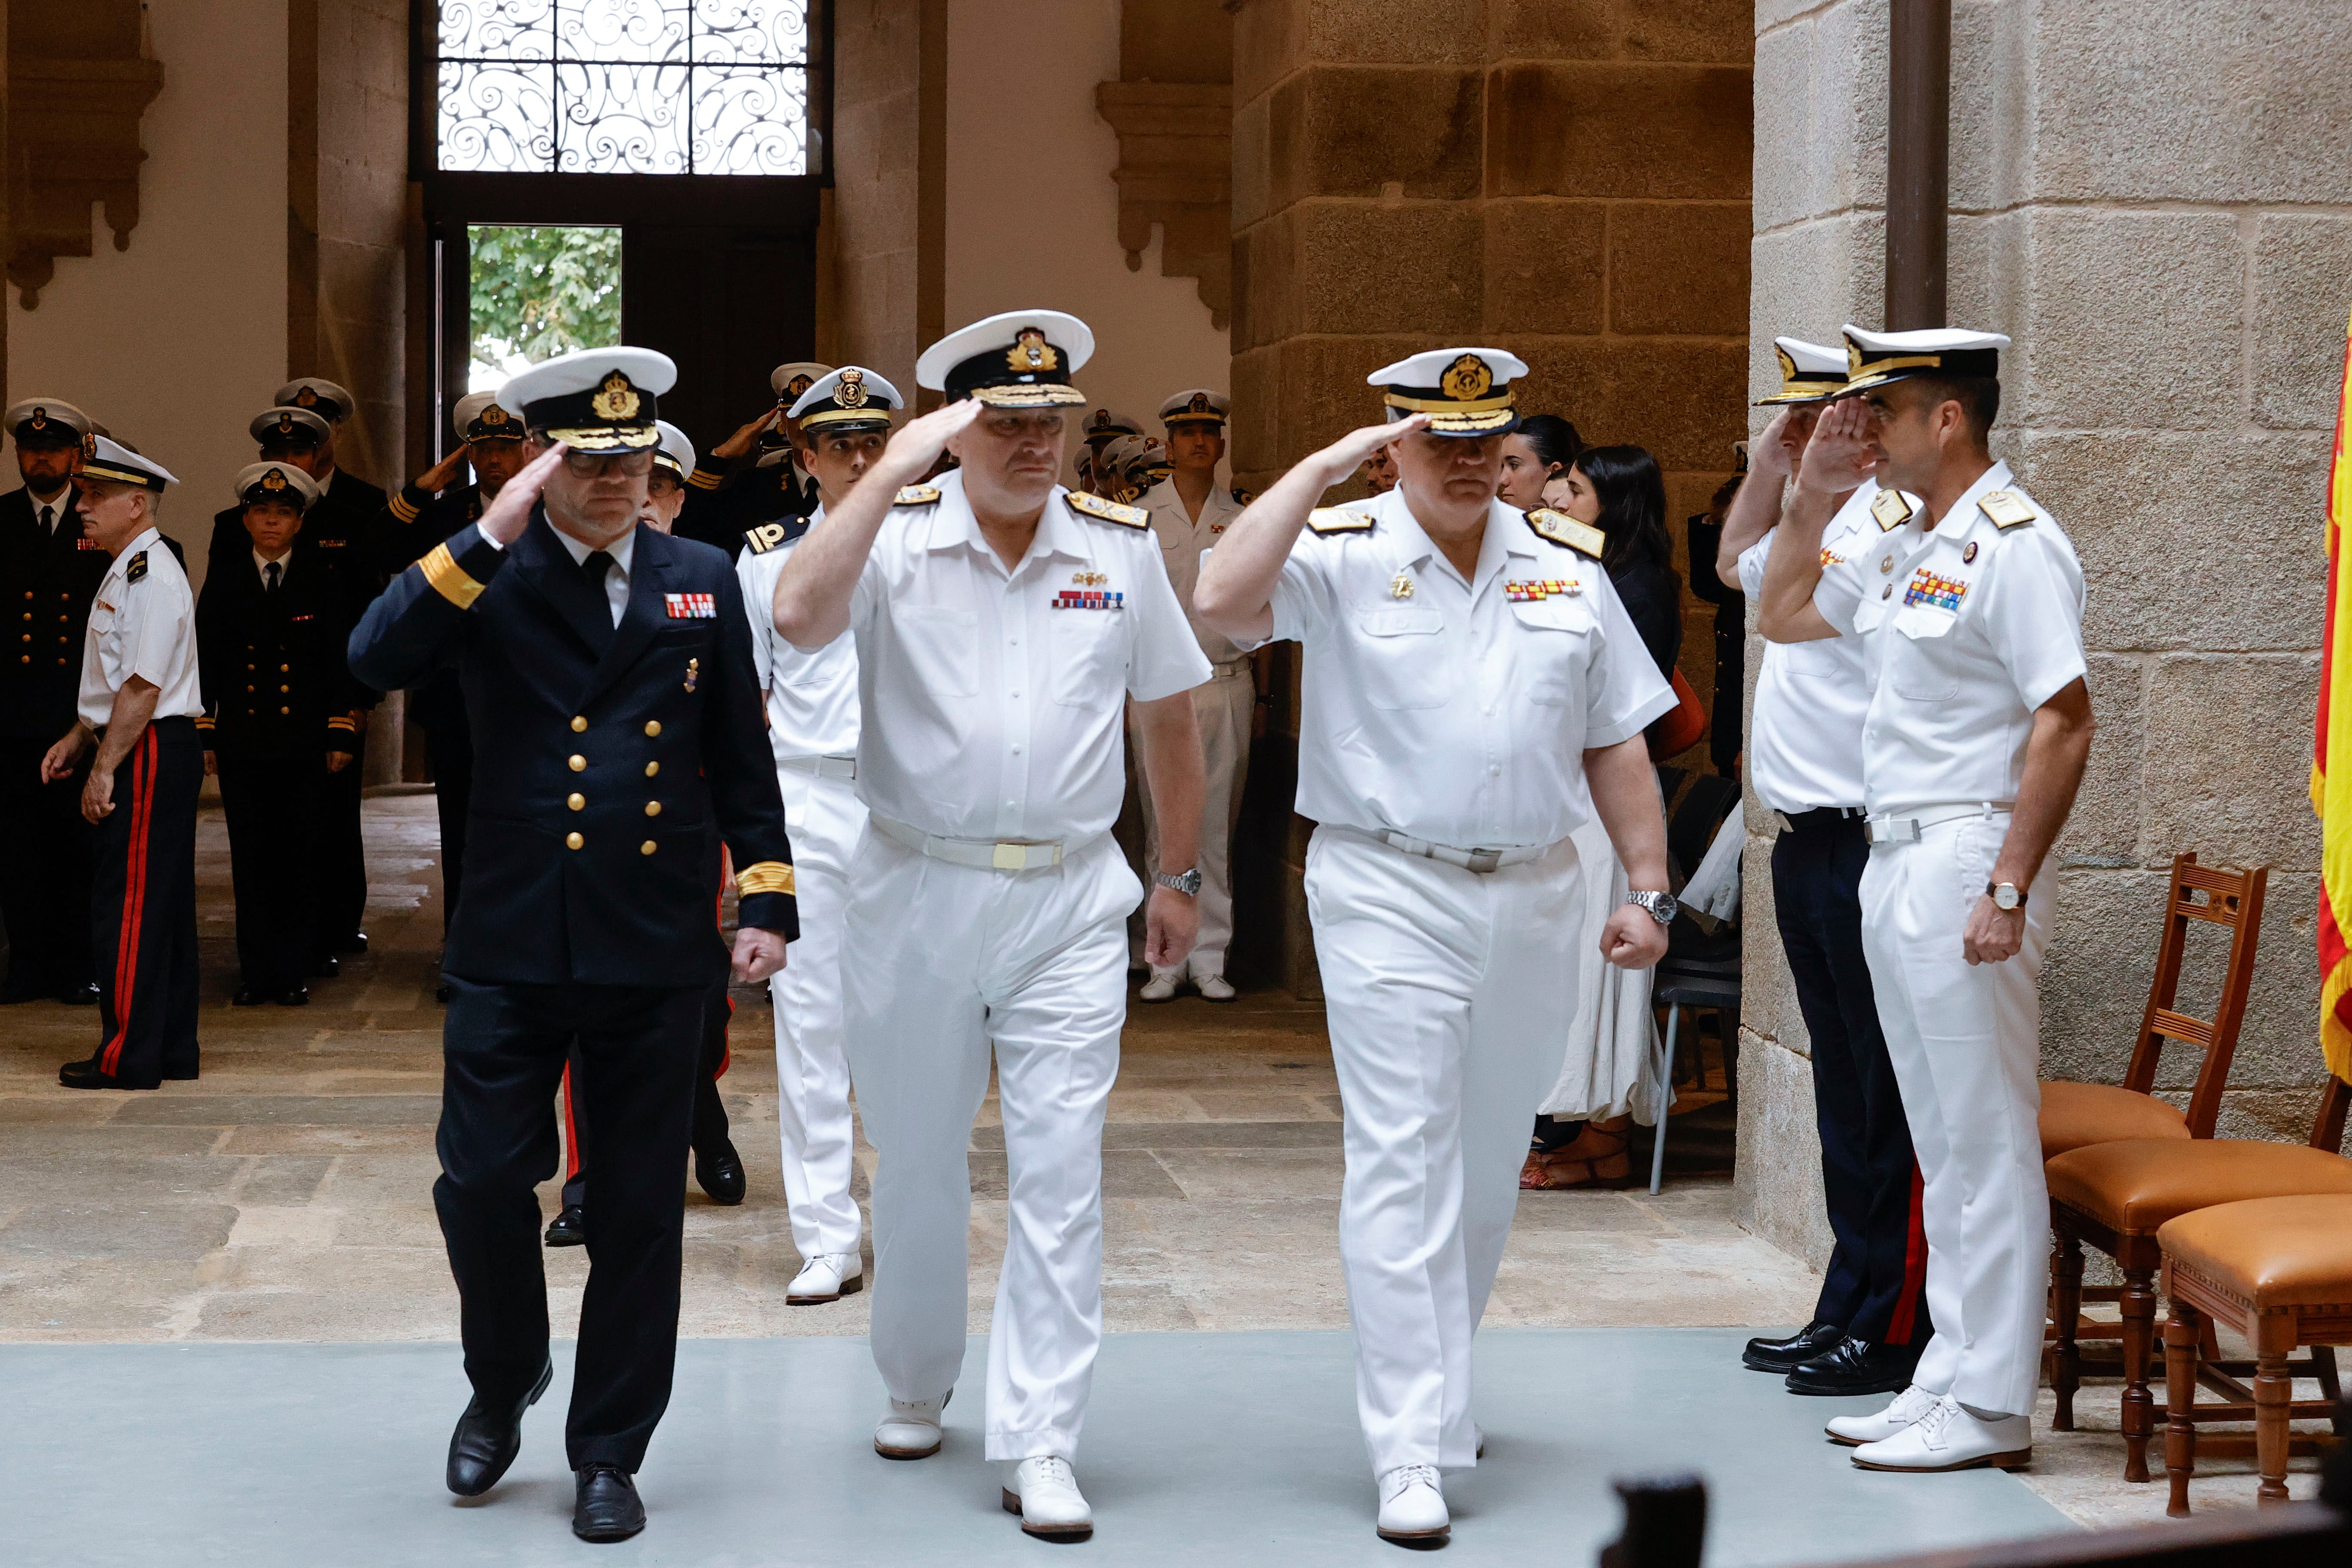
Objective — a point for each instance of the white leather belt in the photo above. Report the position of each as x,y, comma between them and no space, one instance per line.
823,767
1226,669
985,854
1479,860
1906,827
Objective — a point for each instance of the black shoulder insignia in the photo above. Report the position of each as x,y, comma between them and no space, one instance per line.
2007,509
1339,520
916,495
1244,496
1566,532
766,537
1108,511
137,569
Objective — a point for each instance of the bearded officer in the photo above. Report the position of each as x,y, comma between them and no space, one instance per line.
135,726
1974,744
812,723
1469,672
1804,755
609,683
1189,512
49,572
1002,623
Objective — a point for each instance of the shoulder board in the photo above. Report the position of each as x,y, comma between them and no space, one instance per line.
1242,496
2007,509
1339,520
766,537
137,569
1109,511
916,495
1889,510
1565,530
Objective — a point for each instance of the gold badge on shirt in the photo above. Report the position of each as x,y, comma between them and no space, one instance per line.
1401,587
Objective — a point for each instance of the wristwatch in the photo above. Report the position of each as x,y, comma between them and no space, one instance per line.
1662,907
1187,883
2005,895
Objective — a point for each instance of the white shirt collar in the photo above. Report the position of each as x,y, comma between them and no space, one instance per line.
621,549
147,539
55,504
262,563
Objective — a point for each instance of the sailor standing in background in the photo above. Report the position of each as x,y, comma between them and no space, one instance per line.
1188,514
1102,428
723,500
137,713
49,572
812,724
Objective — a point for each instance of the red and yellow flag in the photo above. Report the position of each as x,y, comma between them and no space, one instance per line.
2331,767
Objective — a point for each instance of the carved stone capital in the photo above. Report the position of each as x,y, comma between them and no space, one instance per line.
73,143
1176,170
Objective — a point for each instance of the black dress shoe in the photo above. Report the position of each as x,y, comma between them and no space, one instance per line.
82,995
293,996
326,968
249,996
719,1173
1857,1366
569,1228
355,943
441,993
1814,1339
88,1074
608,1508
486,1441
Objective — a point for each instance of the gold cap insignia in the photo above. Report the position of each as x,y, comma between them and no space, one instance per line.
306,398
1200,404
850,391
494,415
89,445
616,399
1787,365
1466,380
285,425
798,384
275,480
40,420
1031,351
1101,421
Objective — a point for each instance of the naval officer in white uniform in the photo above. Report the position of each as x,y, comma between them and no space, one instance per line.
1468,670
1979,727
1002,623
844,419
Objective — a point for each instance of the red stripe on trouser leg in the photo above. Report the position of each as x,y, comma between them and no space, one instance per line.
1904,1321
571,1129
134,897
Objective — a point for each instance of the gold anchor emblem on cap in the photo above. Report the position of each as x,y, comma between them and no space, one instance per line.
1466,380
850,392
1031,351
616,399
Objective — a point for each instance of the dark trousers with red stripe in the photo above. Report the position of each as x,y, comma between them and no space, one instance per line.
503,1052
143,910
709,1110
1876,1285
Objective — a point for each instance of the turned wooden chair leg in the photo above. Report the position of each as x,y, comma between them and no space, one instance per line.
2066,1361
2273,1397
2180,1355
2140,1339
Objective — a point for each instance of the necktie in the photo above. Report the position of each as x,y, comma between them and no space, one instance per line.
49,520
270,577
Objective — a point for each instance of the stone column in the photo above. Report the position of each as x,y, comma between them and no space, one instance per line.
885,226
2156,208
1570,184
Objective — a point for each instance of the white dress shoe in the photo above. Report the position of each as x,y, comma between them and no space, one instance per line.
1950,1438
909,1430
827,1276
1045,1493
1161,986
1855,1430
1413,1508
1214,987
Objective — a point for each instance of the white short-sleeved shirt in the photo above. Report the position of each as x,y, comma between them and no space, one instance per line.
989,713
1969,628
143,623
1804,739
1460,712
812,697
1182,539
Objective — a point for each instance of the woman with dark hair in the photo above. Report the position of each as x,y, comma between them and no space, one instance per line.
1536,455
1619,491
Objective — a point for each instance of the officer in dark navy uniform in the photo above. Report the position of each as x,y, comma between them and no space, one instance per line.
420,517
721,504
343,491
49,571
270,633
608,673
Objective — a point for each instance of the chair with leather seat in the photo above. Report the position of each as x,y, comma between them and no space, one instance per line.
2116,1196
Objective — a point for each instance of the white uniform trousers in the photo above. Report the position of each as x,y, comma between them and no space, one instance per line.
952,961
1445,990
1966,1042
1222,709
824,818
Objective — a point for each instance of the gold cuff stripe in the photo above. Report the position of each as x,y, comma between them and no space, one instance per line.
765,876
1447,405
403,511
340,724
704,479
449,579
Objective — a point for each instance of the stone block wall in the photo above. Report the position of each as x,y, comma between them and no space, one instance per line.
2154,205
1569,181
875,224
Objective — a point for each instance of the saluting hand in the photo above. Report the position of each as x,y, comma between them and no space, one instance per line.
1839,456
443,474
1342,458
505,518
1775,453
737,443
919,442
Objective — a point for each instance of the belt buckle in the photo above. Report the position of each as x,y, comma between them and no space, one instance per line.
1011,858
1485,859
1894,830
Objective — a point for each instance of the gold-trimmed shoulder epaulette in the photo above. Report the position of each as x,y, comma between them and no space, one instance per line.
2006,508
1890,510
704,479
916,495
1242,497
137,569
766,537
1104,511
1340,519
1566,532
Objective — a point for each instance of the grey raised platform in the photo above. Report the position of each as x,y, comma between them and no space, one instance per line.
1200,1449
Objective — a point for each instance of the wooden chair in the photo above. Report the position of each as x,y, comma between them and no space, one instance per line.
2279,1272
2116,1196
